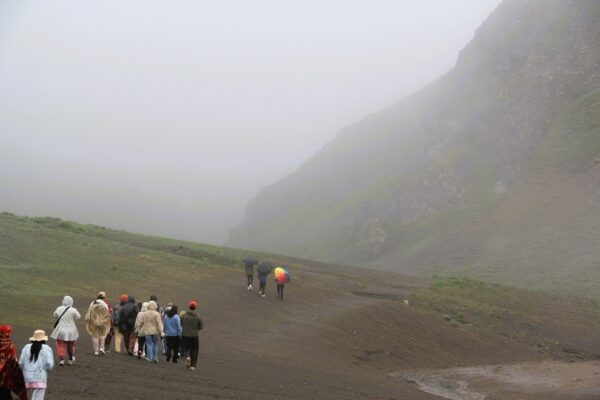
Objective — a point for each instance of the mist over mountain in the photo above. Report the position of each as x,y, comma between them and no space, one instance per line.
493,169
167,118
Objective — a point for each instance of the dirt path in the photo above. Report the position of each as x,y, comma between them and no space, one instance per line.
337,335
251,347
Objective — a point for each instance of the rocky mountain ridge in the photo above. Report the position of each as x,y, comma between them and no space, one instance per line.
389,189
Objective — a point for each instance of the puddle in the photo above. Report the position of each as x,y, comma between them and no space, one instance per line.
457,390
531,380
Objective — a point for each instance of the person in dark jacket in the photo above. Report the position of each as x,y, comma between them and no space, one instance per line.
262,278
191,324
116,315
249,274
127,316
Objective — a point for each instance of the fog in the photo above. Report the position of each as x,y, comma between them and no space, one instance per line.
167,117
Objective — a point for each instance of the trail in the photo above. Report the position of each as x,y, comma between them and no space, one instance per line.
251,347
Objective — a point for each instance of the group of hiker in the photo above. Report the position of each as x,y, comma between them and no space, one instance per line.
263,270
138,329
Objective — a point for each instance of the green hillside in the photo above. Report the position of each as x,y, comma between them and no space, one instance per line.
46,258
491,171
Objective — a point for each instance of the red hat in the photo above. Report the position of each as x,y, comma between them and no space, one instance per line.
123,298
6,330
193,305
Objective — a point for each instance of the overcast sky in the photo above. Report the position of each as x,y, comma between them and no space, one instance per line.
166,117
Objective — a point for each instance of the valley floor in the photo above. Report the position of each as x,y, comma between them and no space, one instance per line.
340,333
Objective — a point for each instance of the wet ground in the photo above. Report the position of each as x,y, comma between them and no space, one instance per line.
339,334
536,380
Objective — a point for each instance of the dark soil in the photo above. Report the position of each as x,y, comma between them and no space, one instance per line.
340,333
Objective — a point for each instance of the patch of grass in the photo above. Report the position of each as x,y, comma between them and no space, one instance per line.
549,323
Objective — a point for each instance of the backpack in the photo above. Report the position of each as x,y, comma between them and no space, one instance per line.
99,315
116,314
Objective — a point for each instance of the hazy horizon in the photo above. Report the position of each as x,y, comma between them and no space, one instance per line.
166,120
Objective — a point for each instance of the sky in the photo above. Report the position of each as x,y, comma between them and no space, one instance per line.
166,118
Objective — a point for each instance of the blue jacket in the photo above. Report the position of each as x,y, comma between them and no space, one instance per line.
172,325
36,371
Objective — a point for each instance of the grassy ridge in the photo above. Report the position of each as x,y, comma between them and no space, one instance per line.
42,258
552,324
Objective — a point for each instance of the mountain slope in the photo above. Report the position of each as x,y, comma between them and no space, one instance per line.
518,110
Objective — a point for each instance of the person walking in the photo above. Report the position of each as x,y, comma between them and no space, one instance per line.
264,269
127,317
172,324
65,331
97,323
191,324
163,316
249,263
36,360
161,311
150,325
11,376
116,317
280,280
109,335
141,337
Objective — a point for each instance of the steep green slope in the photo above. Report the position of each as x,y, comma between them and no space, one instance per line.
540,233
490,170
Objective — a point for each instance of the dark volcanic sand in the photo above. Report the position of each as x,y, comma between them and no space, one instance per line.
340,333
251,348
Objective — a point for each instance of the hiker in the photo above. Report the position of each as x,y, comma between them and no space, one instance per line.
161,311
141,337
97,323
109,336
150,325
172,324
280,280
164,339
11,376
116,315
249,263
36,360
191,324
65,331
127,316
264,269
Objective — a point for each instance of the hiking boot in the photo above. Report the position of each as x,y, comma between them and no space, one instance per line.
188,362
61,363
